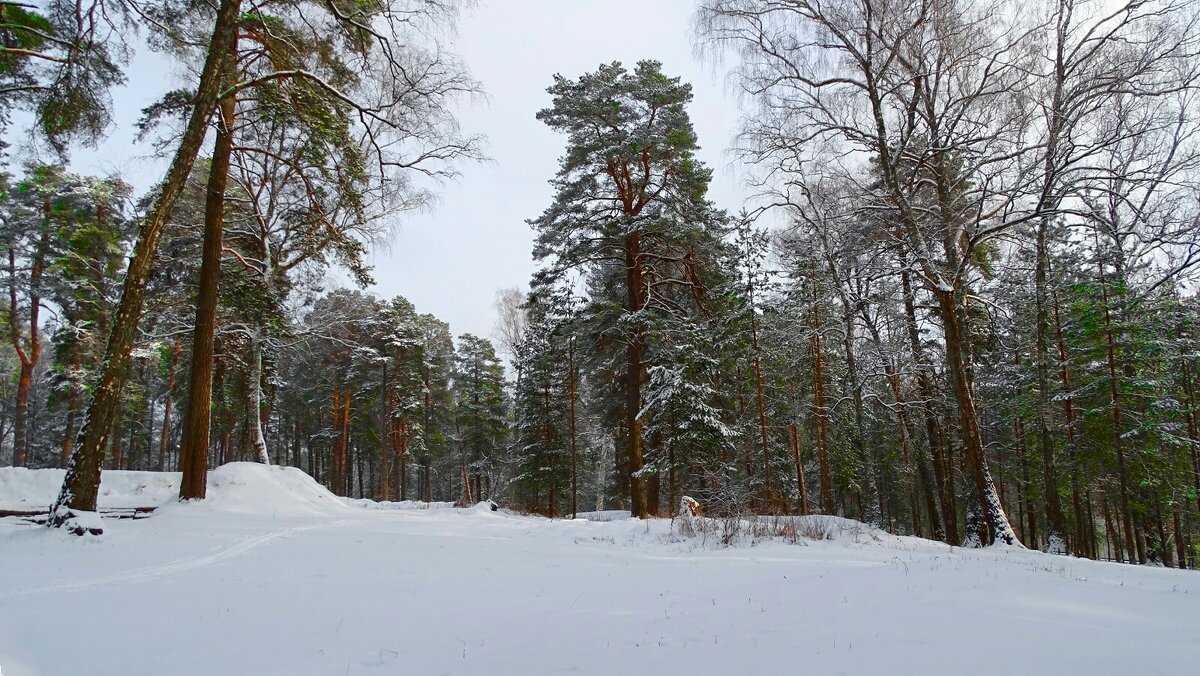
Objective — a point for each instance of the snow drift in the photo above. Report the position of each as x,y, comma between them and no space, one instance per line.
254,488
23,489
242,487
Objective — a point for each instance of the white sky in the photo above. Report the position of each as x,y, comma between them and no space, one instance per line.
451,260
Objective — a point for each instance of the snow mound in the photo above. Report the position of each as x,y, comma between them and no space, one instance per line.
254,488
24,489
242,487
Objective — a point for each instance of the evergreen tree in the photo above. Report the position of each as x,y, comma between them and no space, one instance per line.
628,193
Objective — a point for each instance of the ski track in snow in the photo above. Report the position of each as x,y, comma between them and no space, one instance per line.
240,548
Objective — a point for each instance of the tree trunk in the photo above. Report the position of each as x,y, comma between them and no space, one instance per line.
27,357
1126,515
857,433
571,387
942,469
358,465
165,438
820,413
636,302
21,416
72,412
197,412
82,479
1068,404
339,460
386,454
794,433
297,438
760,396
1029,529
1193,429
1112,535
1056,527
985,490
403,460
1180,548
255,413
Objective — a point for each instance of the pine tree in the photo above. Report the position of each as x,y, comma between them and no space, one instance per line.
628,192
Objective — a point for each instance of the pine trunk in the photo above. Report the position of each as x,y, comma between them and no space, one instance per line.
760,396
339,474
820,415
21,416
197,412
802,489
571,387
386,455
636,302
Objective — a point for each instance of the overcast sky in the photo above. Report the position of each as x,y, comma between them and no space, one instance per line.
451,260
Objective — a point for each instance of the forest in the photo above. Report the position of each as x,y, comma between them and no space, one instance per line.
961,302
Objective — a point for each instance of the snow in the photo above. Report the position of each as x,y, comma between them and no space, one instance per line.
23,489
274,575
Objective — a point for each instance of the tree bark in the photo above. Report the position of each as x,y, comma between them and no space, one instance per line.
820,413
571,387
760,396
986,498
339,459
28,357
82,479
198,411
636,303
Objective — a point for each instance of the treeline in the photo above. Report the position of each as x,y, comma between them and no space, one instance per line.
976,321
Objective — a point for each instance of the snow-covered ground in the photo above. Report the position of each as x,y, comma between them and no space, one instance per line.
274,575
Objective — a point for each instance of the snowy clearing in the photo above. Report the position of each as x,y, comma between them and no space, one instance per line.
275,575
